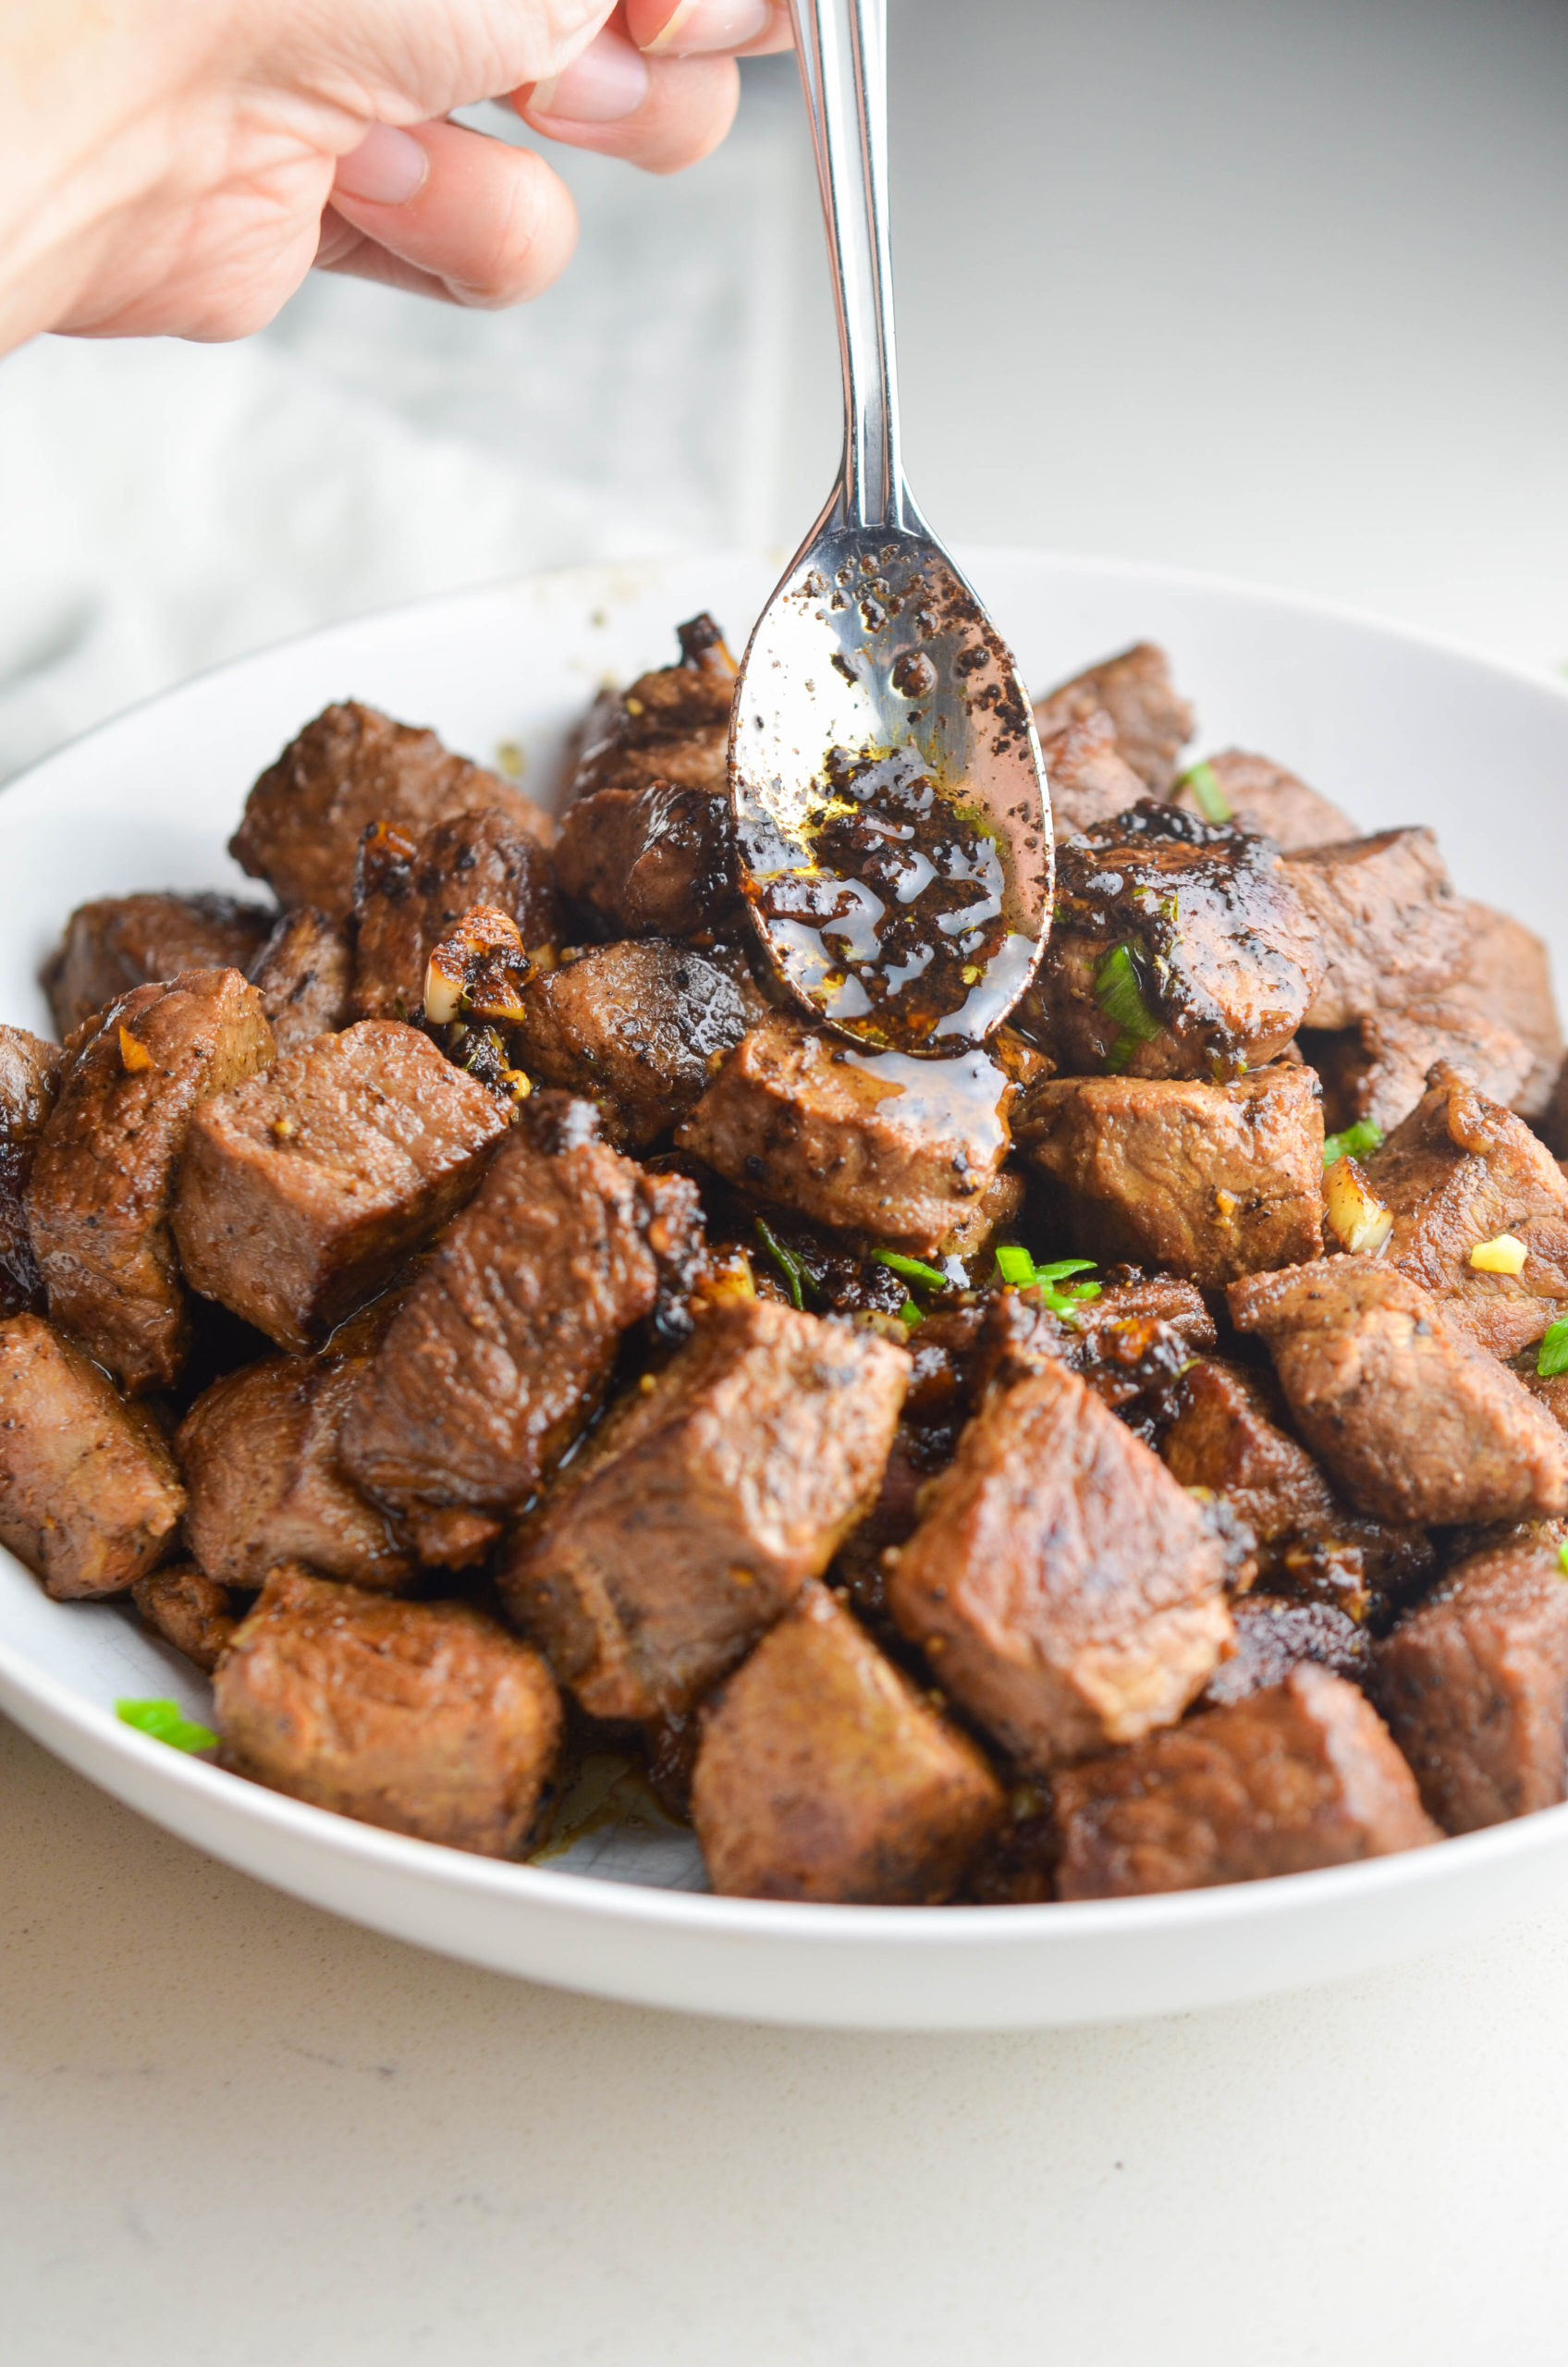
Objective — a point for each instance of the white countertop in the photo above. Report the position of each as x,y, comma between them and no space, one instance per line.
1277,291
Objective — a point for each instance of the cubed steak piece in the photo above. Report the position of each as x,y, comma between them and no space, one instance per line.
1458,1174
1088,777
1302,1776
409,894
305,817
1135,1337
301,1193
638,1029
880,1143
1213,1181
823,1774
672,725
303,975
1379,1069
1389,926
118,942
655,861
502,1353
1413,1422
1474,1685
1262,797
711,1495
90,1498
190,1611
1066,1589
30,1081
103,1176
423,1717
259,1452
1275,1633
1179,948
1151,721
1506,980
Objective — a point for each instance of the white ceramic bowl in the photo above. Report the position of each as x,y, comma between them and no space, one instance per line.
1395,728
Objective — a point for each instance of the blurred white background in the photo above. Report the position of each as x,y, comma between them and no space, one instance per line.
1268,287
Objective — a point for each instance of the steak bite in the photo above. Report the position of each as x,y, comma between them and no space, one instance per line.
103,1176
118,942
1506,980
638,1029
655,861
709,1498
1212,1180
671,725
1389,926
1135,1337
1459,1173
1088,777
303,975
823,1774
1177,949
1066,1588
1266,799
304,819
1378,1068
259,1451
1151,720
1413,1420
409,895
301,1193
1474,1685
501,1354
1304,1774
422,1717
90,1498
875,1143
29,1080
1277,1633
190,1611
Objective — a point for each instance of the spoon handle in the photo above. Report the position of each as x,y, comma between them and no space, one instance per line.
842,46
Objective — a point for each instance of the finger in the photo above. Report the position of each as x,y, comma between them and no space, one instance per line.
660,113
704,28
487,224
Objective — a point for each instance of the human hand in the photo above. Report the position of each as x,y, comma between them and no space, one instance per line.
177,171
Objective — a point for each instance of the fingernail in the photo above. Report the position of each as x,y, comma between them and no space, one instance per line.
386,169
698,25
608,80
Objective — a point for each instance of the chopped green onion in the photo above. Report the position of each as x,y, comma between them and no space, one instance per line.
167,1722
1209,798
1357,1141
1120,995
913,1269
910,1314
1060,1267
1563,1557
1552,1357
789,1265
1015,1265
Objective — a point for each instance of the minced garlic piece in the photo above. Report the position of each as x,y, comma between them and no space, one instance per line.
134,1054
1357,1219
1504,1254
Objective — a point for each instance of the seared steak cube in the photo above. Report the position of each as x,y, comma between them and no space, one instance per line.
1269,802
1378,1068
301,1193
1474,1685
118,942
259,1451
29,1080
1275,1633
1506,980
303,975
410,895
823,1774
190,1611
875,1143
638,1029
1067,1591
654,861
1151,721
89,1494
1088,777
1213,1179
709,1498
1413,1420
1389,926
305,817
670,726
423,1717
102,1182
501,1354
1177,949
1135,1337
1459,1173
1302,1776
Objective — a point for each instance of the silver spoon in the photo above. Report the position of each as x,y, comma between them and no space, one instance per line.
890,810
